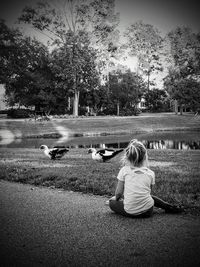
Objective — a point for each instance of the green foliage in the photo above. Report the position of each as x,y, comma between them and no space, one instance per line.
156,100
75,25
19,113
66,61
182,81
186,91
97,99
8,44
24,69
126,90
145,42
184,49
85,41
46,80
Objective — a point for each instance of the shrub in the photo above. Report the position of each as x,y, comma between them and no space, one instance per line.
19,113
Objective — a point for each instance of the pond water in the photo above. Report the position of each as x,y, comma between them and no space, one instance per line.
161,140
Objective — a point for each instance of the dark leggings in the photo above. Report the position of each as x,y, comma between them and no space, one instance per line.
118,207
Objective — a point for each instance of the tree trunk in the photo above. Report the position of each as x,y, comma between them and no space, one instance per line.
69,104
76,103
176,107
148,81
181,109
118,108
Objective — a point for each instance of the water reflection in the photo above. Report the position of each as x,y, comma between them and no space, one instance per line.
7,137
111,142
170,144
158,144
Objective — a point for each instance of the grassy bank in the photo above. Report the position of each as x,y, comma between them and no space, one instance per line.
103,125
177,173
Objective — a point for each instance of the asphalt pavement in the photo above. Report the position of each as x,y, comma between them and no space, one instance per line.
51,227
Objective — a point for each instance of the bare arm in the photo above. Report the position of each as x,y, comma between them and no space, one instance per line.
119,190
152,187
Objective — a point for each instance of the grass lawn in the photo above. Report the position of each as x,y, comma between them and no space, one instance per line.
177,171
105,125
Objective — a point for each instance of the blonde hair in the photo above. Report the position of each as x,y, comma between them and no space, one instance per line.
135,154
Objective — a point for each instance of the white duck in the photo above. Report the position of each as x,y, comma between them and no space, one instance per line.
55,152
103,154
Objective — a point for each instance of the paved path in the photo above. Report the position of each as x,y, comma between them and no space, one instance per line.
48,227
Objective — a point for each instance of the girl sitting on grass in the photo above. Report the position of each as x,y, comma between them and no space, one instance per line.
133,192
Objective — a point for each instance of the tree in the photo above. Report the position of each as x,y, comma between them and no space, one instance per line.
145,42
75,24
185,91
87,78
185,50
25,70
96,99
126,90
9,40
156,100
197,55
182,80
116,89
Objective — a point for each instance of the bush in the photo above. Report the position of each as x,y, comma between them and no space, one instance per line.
109,110
82,111
19,113
130,111
4,111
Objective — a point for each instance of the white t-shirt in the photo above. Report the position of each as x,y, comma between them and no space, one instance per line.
137,188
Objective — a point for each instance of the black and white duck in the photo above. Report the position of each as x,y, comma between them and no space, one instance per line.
104,154
55,152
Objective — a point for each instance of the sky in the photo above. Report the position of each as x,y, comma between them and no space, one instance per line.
164,14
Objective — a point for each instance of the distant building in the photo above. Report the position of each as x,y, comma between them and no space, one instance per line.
142,105
2,96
